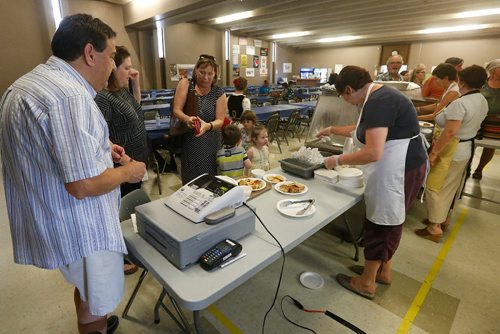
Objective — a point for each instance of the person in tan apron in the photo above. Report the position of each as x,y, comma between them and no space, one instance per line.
452,149
394,162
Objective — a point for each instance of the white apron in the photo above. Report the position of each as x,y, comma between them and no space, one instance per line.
385,180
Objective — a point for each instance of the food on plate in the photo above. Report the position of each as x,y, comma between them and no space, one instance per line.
425,124
292,187
254,183
274,178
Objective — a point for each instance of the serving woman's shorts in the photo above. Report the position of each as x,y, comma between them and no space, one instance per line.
381,241
99,279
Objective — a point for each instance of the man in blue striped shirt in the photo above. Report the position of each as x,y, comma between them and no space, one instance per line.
60,185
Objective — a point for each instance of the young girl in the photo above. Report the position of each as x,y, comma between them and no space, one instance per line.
258,153
247,123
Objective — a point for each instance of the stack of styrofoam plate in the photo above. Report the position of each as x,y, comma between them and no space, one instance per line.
326,175
351,177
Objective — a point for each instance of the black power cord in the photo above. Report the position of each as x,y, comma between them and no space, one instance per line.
326,312
282,266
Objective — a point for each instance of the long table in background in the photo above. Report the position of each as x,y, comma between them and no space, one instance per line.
284,110
195,289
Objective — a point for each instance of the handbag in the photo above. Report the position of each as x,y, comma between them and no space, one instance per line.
177,127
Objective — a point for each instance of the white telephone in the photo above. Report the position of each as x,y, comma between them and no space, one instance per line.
205,195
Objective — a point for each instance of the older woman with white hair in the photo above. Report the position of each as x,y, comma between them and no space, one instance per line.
491,91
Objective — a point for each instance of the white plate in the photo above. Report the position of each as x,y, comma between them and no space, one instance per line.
292,209
426,131
278,185
423,124
311,280
253,180
268,178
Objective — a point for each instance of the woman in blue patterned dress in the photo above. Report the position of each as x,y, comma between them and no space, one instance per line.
199,150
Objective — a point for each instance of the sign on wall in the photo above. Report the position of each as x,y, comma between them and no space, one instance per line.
287,67
250,72
256,61
243,60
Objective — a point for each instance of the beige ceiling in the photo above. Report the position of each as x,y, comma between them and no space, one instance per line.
375,21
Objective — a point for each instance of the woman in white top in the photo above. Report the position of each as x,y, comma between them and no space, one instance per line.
237,103
452,150
445,75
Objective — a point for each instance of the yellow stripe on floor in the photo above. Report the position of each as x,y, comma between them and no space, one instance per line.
232,328
419,299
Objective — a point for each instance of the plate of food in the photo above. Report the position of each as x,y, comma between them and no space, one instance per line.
256,184
290,188
425,124
274,178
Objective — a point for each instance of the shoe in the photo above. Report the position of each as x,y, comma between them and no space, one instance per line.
444,225
113,323
129,268
357,269
345,281
424,233
477,175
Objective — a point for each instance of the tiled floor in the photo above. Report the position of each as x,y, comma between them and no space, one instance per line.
460,275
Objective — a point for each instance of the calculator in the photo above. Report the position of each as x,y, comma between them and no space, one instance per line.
220,253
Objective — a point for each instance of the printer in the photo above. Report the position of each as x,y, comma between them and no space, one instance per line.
183,241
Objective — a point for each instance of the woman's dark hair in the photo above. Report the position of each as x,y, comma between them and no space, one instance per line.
204,61
121,54
354,76
240,83
474,76
445,70
332,78
231,135
75,32
248,115
455,61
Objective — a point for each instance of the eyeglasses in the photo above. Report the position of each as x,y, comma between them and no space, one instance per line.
207,57
395,62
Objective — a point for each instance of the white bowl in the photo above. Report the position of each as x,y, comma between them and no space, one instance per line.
258,173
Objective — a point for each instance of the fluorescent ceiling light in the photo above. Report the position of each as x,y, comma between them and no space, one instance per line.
290,34
453,29
233,17
338,39
476,13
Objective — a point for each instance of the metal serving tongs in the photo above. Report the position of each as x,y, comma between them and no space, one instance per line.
290,202
304,210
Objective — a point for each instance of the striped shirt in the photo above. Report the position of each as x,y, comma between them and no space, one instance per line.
230,161
125,122
52,133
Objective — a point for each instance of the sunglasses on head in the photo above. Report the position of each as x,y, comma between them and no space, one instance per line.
207,57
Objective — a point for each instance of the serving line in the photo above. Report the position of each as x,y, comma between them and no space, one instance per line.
184,286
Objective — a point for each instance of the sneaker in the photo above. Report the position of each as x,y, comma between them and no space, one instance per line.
113,322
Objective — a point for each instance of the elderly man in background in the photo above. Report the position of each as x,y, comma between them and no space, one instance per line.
61,189
394,64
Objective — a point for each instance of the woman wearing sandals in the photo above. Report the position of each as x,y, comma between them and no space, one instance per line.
394,162
452,149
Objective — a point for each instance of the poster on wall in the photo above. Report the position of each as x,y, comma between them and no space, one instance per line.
264,51
179,71
236,70
236,58
243,60
250,50
236,49
263,72
263,62
287,67
185,70
250,72
338,68
242,41
257,43
256,61
174,74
